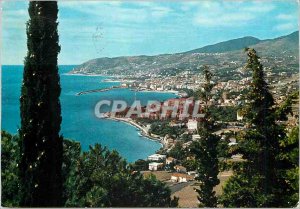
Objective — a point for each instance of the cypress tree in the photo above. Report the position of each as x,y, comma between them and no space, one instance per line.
257,181
41,144
205,149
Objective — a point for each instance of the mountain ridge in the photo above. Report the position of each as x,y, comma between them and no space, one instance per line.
230,50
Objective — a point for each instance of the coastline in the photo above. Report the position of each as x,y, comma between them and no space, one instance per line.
119,81
83,74
142,130
156,91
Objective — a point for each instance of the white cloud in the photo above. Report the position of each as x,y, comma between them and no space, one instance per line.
114,11
286,27
286,17
286,22
232,20
230,14
259,7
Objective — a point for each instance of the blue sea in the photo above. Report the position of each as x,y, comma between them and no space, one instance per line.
79,122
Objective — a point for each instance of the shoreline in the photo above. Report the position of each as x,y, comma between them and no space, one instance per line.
161,92
142,130
120,80
83,74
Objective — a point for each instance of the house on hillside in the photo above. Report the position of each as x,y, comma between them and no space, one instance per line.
154,166
156,157
239,115
180,169
192,125
195,137
170,160
180,177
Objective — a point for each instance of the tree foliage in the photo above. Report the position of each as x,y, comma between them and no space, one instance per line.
96,178
10,181
101,178
41,147
205,149
257,181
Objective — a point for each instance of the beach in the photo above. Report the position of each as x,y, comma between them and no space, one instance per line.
143,130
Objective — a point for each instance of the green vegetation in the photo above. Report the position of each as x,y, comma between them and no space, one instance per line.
259,180
225,114
103,179
177,151
97,178
140,165
163,128
41,146
205,149
290,167
10,180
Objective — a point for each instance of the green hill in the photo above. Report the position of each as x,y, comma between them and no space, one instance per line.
226,46
217,55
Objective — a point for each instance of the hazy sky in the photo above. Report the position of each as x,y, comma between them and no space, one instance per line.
94,29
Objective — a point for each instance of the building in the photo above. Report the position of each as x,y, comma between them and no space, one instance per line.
180,169
155,166
239,116
180,177
192,125
167,141
156,157
170,160
195,137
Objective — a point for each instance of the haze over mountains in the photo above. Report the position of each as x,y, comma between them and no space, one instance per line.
285,47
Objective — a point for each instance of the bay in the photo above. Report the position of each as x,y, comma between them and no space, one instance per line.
79,122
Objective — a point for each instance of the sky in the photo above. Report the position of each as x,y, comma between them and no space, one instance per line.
93,29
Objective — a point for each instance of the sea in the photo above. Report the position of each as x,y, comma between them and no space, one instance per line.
79,121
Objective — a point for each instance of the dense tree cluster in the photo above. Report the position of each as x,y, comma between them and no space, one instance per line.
225,114
163,128
261,180
10,181
96,178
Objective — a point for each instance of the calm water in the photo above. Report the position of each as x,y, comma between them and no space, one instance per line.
79,122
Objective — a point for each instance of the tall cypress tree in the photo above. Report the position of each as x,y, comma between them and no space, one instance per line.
205,149
41,144
257,181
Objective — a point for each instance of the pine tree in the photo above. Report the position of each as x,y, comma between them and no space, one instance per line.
41,147
290,168
205,149
256,181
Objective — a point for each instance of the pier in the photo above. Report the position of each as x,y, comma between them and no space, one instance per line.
100,90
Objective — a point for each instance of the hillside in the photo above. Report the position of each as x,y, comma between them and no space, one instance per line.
226,46
217,55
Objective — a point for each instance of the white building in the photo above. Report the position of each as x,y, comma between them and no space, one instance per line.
195,137
192,125
156,157
155,166
239,116
179,177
